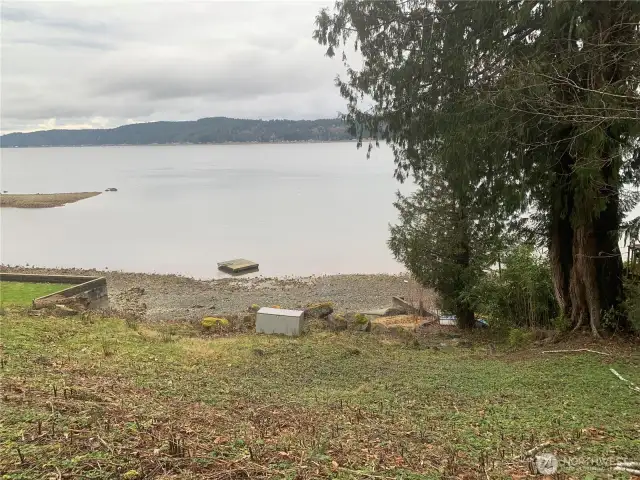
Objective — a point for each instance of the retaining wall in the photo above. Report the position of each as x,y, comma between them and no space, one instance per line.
88,291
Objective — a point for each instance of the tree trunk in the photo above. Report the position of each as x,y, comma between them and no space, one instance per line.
464,312
561,233
585,258
465,316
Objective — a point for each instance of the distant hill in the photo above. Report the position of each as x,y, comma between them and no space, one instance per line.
205,130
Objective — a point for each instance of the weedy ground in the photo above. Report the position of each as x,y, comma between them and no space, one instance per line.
91,397
21,293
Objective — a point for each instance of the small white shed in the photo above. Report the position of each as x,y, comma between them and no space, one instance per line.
278,320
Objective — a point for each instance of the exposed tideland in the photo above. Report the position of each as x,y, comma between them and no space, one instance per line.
42,200
92,397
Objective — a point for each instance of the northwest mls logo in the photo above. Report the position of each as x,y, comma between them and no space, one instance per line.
546,463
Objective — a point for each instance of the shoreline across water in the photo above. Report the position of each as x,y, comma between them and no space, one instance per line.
160,297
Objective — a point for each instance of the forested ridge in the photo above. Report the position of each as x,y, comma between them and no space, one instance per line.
205,130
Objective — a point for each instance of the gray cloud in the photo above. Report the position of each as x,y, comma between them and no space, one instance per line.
89,63
53,42
32,15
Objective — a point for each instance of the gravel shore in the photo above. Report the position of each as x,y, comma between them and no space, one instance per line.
173,297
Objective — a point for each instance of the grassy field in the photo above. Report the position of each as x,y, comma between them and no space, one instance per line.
22,293
89,397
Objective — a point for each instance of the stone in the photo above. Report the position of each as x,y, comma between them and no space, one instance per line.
378,312
318,310
366,327
336,322
403,304
395,310
64,311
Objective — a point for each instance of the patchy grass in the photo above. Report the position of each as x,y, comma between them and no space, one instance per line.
22,293
90,398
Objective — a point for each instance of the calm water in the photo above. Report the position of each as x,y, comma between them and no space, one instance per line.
297,209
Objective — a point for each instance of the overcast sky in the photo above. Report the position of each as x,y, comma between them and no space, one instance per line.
103,64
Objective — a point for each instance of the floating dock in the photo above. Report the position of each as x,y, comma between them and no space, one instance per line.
238,266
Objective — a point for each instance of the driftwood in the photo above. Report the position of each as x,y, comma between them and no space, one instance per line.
632,385
577,350
628,467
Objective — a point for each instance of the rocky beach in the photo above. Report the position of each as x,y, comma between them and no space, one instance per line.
172,297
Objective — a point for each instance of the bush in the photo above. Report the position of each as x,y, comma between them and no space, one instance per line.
214,322
521,294
519,338
360,319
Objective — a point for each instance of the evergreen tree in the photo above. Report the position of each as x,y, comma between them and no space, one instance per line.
535,102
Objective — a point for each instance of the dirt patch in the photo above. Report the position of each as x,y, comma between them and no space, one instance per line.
42,200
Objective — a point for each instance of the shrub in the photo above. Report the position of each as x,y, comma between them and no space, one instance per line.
519,338
214,322
360,319
521,294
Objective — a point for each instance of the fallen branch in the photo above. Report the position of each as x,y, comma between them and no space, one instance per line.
578,350
531,452
632,385
632,471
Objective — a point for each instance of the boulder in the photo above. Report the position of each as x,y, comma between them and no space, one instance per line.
336,322
318,310
366,327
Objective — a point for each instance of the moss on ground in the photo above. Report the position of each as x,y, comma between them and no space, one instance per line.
91,398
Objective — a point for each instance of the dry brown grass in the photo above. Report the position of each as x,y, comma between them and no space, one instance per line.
42,200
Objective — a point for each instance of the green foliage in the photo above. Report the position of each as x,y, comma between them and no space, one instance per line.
360,319
561,323
205,130
521,294
519,338
446,240
214,322
516,106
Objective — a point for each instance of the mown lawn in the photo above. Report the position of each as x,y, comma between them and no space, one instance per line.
21,293
100,398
